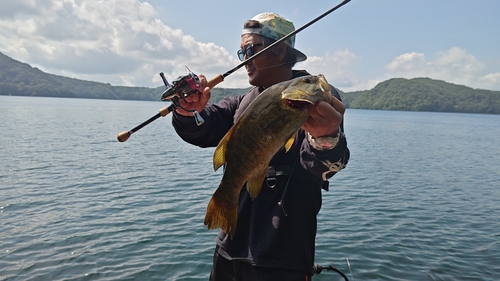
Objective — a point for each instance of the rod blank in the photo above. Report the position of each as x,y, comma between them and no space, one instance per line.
123,136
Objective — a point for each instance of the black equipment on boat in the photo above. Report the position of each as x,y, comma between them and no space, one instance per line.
317,269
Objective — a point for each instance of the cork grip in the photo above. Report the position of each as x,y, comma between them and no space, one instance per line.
214,81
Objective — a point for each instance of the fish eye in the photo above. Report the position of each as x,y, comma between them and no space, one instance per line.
307,80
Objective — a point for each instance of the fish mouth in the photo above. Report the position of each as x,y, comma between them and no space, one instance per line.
298,103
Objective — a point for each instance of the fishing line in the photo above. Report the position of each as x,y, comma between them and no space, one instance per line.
280,203
275,65
349,265
295,150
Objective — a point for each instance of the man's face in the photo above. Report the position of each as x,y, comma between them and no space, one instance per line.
259,70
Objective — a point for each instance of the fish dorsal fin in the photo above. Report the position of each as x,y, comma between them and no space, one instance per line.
220,151
289,142
254,185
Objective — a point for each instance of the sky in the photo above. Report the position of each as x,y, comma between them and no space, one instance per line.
365,42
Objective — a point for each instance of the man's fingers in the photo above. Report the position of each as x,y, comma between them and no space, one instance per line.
338,105
205,96
323,109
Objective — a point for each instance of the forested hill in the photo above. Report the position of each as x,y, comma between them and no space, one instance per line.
424,94
20,79
418,94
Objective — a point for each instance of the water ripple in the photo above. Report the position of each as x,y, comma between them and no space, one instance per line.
76,204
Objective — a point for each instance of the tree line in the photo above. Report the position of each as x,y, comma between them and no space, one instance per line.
425,94
418,94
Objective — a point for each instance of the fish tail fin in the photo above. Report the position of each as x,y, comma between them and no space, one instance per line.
222,212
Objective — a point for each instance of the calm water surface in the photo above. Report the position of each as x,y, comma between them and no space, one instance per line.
419,199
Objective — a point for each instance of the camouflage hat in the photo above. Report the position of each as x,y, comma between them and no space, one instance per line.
275,27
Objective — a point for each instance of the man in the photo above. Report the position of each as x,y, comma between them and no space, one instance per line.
275,232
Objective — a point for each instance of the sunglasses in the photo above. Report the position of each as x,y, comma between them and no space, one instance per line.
248,51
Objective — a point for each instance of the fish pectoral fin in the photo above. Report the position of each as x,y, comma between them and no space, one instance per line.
220,151
254,185
289,142
219,158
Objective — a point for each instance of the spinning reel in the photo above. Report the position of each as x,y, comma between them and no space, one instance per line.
181,88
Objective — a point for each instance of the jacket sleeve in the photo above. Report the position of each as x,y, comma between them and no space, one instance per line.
325,163
218,120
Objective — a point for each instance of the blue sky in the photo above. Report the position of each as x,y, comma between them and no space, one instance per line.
128,42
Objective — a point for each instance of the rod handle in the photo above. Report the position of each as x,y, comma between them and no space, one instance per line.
214,81
123,136
166,110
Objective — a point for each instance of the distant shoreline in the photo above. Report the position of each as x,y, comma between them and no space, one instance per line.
417,94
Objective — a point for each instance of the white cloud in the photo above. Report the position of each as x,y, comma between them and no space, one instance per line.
491,80
454,65
117,41
336,68
408,62
123,42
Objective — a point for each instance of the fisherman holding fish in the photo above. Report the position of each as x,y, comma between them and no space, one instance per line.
278,153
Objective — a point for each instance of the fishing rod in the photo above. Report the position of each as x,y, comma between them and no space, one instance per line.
186,85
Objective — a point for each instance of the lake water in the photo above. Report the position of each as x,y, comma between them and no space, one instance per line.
419,199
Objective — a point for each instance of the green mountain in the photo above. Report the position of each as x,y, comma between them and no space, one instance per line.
20,79
424,94
418,94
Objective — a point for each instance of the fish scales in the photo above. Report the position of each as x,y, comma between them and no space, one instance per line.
269,123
